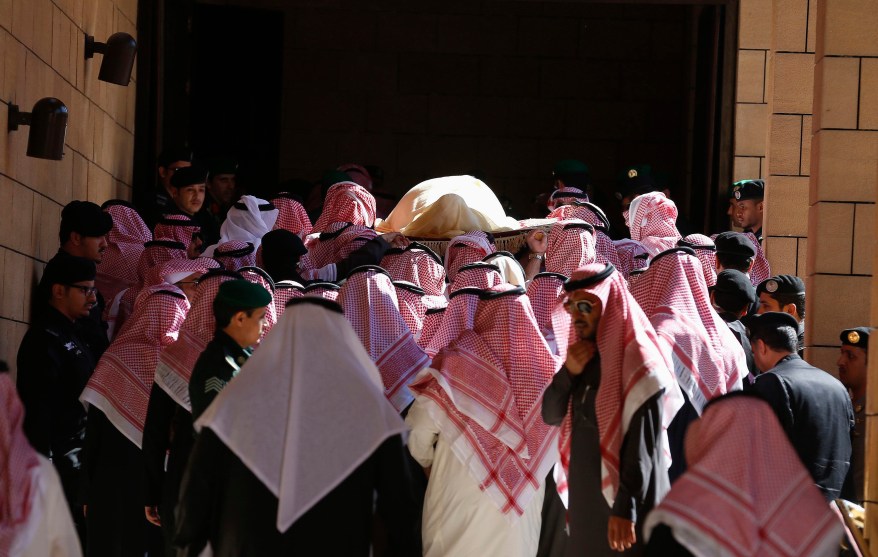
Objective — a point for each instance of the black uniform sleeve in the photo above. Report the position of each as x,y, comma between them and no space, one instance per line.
637,457
369,253
156,441
771,388
396,500
91,451
663,544
37,369
198,492
556,397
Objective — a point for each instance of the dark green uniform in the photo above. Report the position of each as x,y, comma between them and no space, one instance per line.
217,365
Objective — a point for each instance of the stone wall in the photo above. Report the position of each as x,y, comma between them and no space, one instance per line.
42,55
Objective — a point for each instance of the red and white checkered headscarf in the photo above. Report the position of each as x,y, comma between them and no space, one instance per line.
335,244
118,270
369,302
545,291
17,459
565,195
467,248
358,174
175,364
235,254
157,252
347,202
632,255
485,393
284,291
592,214
412,306
634,368
458,316
761,270
570,246
476,275
432,322
327,290
708,362
291,215
652,220
705,250
418,265
260,277
745,492
179,228
123,378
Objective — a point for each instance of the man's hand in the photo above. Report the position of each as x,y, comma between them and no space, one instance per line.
152,515
537,241
578,355
620,533
395,239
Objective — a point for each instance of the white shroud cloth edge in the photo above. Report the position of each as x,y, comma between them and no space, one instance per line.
306,409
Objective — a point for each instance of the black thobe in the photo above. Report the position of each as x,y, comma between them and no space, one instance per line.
167,437
54,365
815,411
662,543
224,503
113,490
215,367
643,480
740,331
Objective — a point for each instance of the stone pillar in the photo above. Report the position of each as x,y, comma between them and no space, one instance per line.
844,174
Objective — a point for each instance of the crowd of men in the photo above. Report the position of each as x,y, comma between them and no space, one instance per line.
232,376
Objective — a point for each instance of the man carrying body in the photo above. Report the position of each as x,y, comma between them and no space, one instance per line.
623,398
749,205
785,293
853,363
239,309
54,365
813,407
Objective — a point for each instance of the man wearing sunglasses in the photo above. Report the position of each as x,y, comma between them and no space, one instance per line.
54,365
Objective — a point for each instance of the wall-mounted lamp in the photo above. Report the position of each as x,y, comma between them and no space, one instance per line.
119,52
48,127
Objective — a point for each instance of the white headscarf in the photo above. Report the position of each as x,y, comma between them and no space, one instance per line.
319,406
248,220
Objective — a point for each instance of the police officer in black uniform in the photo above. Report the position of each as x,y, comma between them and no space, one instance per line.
731,297
54,364
749,205
785,293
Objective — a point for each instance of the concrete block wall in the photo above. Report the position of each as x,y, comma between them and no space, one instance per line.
42,54
751,108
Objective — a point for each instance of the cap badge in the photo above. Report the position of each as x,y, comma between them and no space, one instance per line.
632,173
853,337
737,194
770,286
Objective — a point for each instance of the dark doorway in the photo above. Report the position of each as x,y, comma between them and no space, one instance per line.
235,90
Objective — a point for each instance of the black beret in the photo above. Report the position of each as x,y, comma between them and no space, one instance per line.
67,269
748,189
174,154
636,180
284,244
858,336
188,176
733,290
769,321
734,243
241,293
85,218
781,284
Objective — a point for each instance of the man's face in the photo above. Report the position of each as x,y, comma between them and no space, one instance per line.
188,199
88,247
76,299
222,188
250,326
852,366
195,248
166,172
585,309
748,213
762,356
767,303
188,285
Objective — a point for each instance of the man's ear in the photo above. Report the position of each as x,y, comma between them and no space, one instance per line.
760,206
57,291
75,238
791,309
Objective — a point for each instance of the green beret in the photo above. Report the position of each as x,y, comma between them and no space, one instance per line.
635,180
242,294
748,189
222,166
781,284
568,167
858,336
